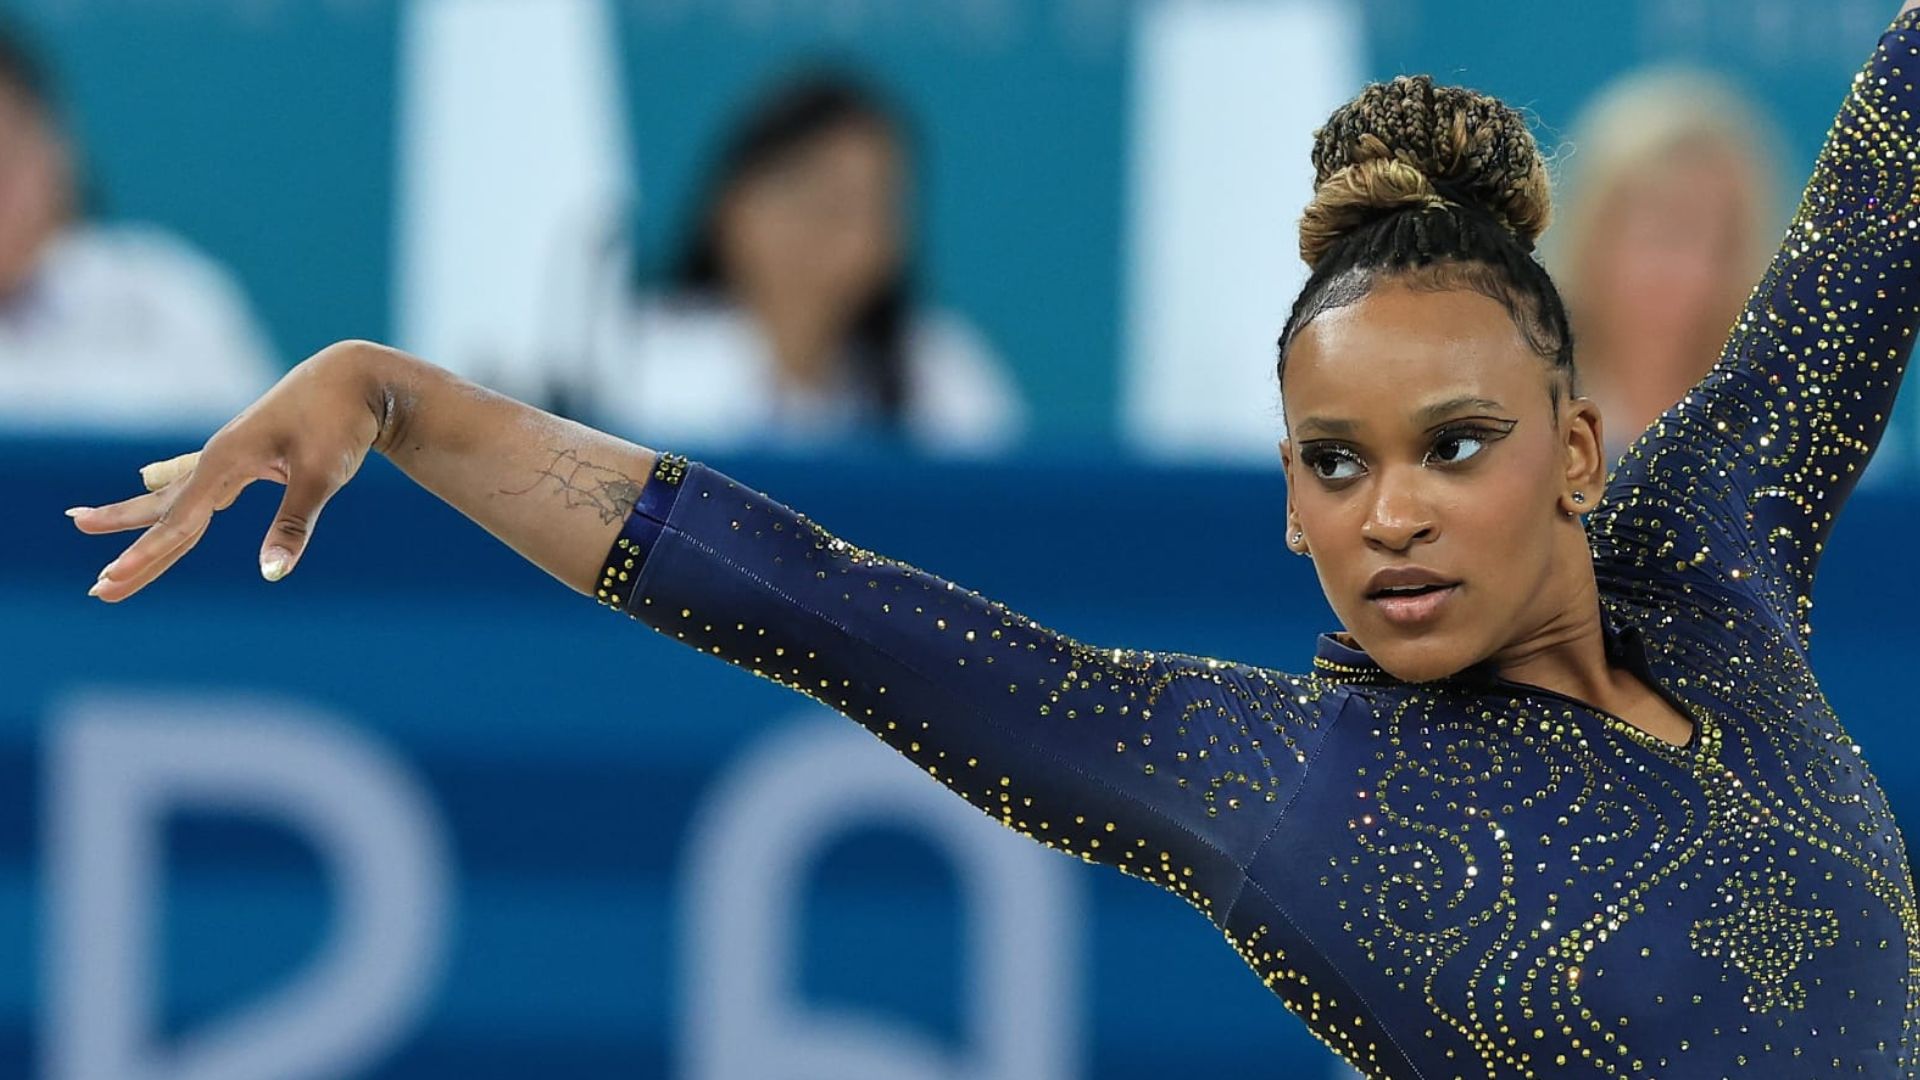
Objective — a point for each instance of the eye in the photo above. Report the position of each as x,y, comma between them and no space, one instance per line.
1333,462
1456,445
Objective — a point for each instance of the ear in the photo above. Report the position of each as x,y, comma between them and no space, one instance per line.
1293,518
1585,445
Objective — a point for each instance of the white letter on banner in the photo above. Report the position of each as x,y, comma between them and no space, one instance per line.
752,850
117,765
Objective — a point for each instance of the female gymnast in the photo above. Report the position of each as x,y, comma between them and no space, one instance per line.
1563,797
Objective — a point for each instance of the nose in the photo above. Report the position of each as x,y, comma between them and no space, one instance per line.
1399,516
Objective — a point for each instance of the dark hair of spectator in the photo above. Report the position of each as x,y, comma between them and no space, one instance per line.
794,113
22,72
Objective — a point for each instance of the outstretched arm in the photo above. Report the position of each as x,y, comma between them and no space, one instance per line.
1750,469
1173,768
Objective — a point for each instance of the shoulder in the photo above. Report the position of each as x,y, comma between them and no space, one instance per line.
682,368
961,397
691,332
140,250
1294,700
148,267
1675,532
149,275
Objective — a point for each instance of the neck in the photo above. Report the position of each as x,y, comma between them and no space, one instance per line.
1567,653
804,344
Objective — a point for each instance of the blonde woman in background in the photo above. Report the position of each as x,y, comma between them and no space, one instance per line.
1672,201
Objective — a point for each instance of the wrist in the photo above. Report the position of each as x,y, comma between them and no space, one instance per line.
377,376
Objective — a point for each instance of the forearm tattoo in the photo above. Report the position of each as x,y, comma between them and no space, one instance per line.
607,492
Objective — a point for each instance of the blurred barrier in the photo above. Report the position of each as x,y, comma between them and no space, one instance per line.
419,811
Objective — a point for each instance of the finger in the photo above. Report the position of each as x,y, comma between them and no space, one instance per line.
135,513
161,473
179,526
144,510
114,590
308,490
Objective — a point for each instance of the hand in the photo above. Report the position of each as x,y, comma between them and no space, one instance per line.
310,432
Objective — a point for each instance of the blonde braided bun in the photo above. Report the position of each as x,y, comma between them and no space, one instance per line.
1410,144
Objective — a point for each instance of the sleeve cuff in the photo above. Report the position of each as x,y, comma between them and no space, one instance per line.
620,573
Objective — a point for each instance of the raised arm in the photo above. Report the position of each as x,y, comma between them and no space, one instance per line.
1170,767
1772,441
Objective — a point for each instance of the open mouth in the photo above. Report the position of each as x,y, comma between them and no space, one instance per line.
1407,590
1413,605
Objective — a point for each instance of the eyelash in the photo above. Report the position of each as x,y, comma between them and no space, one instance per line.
1315,454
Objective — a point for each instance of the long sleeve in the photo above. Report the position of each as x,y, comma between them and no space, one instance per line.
1172,768
1744,476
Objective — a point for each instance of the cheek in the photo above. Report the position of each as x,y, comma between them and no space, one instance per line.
1501,508
1331,522
856,247
749,241
1505,534
1328,518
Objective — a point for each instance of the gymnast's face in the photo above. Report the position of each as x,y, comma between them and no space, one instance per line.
1431,479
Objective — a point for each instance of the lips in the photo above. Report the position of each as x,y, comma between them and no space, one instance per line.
1410,595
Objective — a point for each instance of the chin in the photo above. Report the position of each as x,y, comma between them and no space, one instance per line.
1422,659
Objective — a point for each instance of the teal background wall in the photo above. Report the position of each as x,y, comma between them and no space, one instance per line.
264,130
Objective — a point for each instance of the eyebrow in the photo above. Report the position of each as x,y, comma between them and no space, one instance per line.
1427,414
1440,410
1327,425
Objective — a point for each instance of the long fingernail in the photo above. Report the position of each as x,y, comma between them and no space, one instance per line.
273,564
97,586
78,510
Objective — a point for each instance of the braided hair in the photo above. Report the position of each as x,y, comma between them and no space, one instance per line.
1438,188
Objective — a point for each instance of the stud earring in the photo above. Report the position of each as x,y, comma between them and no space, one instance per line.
1580,498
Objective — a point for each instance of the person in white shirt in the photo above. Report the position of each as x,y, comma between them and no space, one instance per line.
790,322
120,328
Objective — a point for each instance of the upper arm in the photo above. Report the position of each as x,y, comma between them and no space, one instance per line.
1168,766
964,401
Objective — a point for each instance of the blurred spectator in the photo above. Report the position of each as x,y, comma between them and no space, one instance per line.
101,326
1672,208
790,320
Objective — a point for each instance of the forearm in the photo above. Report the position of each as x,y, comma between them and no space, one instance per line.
554,490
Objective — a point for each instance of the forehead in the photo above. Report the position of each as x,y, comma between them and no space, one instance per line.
1396,348
855,142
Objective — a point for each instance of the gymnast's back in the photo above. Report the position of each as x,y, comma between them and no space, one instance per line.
1469,876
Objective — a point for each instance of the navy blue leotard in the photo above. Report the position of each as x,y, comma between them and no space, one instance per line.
1469,877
